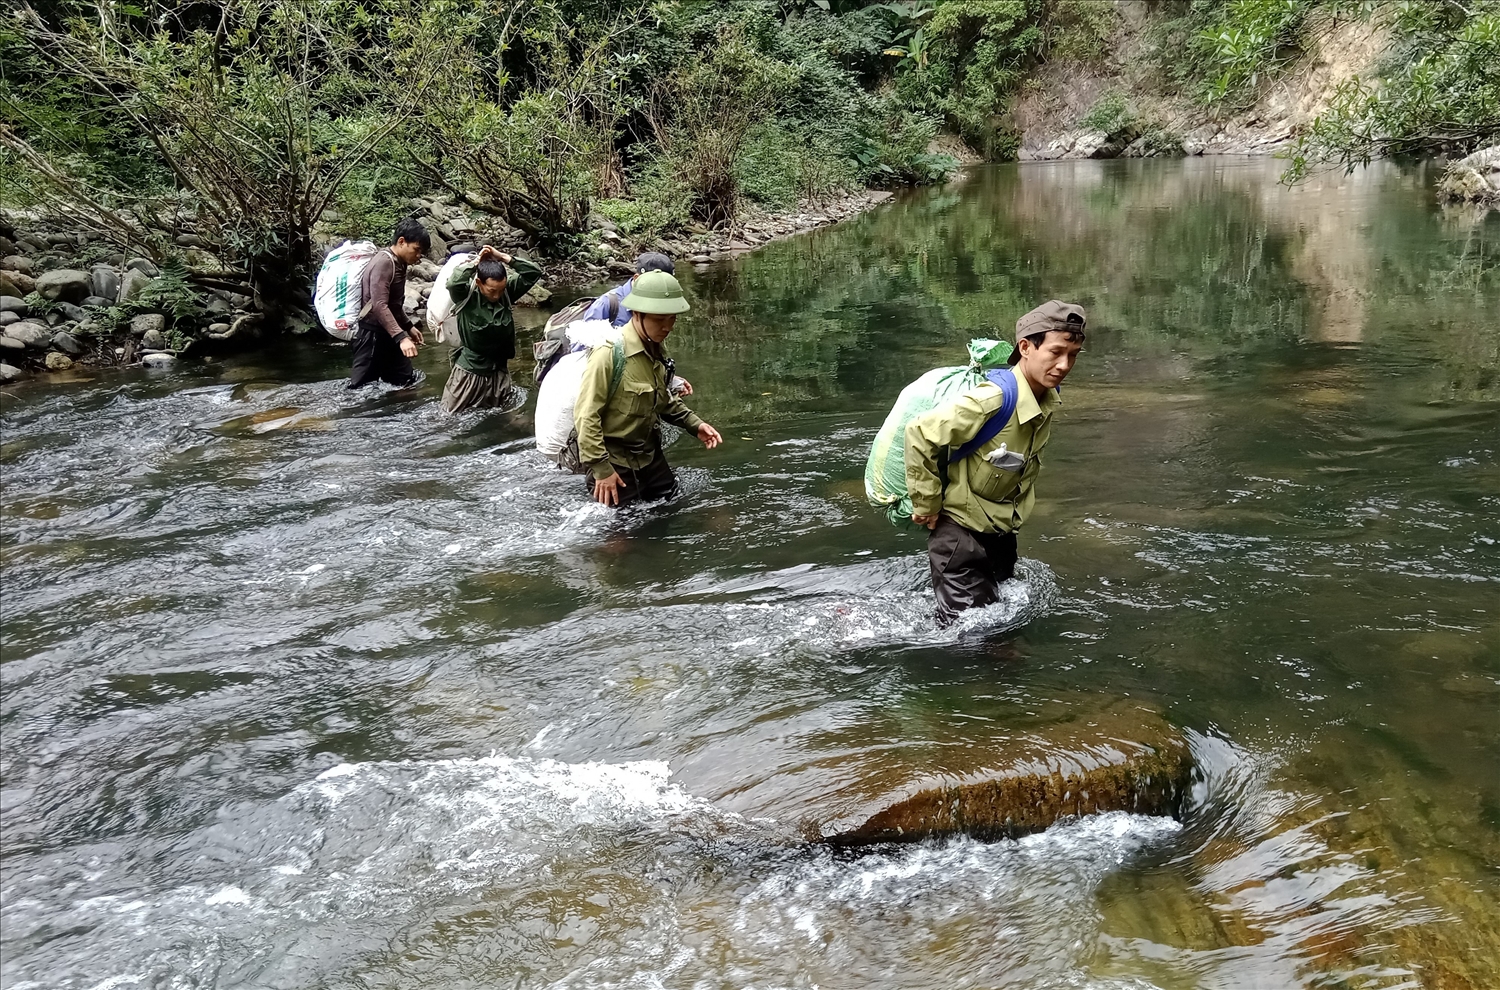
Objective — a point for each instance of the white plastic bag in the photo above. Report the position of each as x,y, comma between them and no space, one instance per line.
337,294
442,315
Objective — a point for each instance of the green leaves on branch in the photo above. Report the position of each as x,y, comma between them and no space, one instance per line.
253,112
1440,93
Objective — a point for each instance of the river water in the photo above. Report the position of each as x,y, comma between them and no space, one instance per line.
312,689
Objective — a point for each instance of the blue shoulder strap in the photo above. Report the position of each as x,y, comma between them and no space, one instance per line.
1009,395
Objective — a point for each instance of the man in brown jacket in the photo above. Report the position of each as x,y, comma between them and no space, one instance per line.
387,340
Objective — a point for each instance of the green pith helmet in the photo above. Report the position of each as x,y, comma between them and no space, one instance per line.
657,293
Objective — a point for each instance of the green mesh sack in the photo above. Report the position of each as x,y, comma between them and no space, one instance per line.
885,470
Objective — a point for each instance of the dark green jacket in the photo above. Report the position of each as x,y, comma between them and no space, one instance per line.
487,330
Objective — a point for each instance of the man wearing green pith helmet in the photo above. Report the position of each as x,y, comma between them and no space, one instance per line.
621,405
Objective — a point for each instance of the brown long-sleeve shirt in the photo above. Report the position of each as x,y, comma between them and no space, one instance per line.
383,283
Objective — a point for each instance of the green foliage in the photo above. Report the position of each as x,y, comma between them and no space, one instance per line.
1439,93
172,293
38,304
258,110
374,198
1220,52
1079,30
1110,113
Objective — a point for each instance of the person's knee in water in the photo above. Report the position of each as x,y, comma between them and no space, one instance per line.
625,396
974,507
483,293
387,340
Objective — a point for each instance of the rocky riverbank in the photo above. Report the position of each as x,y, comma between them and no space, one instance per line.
71,299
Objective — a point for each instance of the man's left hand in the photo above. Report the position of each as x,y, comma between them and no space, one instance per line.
682,386
709,436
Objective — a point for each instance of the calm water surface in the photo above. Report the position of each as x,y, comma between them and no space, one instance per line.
311,689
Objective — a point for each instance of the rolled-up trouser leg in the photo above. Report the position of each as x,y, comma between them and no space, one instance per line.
967,567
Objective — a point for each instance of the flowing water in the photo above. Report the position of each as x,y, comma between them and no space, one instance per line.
305,688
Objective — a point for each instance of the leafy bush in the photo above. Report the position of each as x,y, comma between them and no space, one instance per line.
172,293
1109,114
1439,93
257,109
1221,51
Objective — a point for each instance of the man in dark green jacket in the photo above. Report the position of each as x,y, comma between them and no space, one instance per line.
975,506
483,293
621,403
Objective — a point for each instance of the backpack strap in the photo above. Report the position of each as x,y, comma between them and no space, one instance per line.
1010,394
617,371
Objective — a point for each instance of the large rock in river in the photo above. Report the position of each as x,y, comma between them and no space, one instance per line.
950,764
1004,803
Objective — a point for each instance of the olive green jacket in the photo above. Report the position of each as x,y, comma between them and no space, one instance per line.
619,430
979,496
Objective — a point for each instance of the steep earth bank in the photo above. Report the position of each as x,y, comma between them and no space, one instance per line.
1122,107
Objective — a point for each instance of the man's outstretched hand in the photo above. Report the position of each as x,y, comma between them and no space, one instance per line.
607,490
710,436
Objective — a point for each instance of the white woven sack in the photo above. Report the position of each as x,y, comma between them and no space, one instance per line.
557,396
337,294
442,315
555,399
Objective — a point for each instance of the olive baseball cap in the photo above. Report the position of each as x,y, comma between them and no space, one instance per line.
1050,315
657,293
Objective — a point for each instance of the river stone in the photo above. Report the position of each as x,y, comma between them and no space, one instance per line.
10,343
16,263
69,312
153,339
144,266
9,372
64,285
14,304
30,333
7,318
132,284
66,342
159,360
99,302
104,282
537,295
148,323
57,361
218,305
1071,755
16,284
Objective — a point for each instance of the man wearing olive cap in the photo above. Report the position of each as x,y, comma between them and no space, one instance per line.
974,507
624,397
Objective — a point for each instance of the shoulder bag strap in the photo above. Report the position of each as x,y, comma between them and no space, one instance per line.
1010,394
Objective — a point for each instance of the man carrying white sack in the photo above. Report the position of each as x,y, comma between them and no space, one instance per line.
624,398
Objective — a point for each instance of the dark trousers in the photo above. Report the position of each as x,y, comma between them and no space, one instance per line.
967,567
378,357
652,482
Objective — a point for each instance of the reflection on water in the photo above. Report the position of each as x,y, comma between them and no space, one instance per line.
312,688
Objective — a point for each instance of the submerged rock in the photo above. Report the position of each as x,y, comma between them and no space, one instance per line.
1119,758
